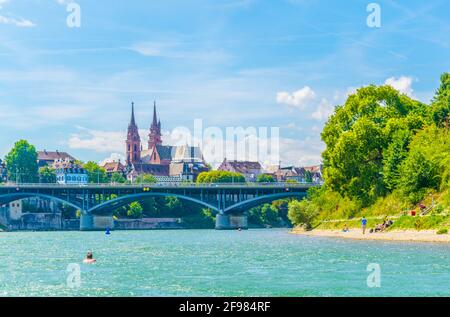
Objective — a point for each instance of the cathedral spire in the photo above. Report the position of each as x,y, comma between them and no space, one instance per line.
133,142
154,137
132,122
155,119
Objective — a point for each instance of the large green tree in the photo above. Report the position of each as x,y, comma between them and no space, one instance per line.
21,163
358,138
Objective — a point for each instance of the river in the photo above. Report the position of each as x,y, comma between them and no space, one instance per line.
216,263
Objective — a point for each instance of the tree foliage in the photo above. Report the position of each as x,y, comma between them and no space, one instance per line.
265,178
47,175
220,177
22,163
147,179
118,178
384,151
135,210
358,138
96,174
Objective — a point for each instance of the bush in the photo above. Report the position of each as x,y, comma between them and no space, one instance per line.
442,231
220,177
135,210
302,213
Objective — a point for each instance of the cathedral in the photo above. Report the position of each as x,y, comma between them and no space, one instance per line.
166,162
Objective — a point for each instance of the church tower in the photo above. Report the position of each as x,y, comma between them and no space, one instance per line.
133,142
154,137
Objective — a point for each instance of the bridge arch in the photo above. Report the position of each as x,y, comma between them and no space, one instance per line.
8,198
124,200
250,203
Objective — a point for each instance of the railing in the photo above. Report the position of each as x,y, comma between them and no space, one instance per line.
164,185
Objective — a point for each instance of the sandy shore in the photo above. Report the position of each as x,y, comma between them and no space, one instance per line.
417,236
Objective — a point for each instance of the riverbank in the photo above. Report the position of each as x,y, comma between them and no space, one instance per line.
395,235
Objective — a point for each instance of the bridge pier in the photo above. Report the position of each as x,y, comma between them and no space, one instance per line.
231,222
90,222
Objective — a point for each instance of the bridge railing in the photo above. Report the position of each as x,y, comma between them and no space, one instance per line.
165,185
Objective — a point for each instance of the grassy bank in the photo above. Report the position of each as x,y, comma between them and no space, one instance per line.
327,210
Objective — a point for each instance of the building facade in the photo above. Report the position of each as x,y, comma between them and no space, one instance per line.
250,170
48,158
165,162
70,173
310,174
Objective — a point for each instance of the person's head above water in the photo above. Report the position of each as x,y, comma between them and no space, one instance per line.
89,255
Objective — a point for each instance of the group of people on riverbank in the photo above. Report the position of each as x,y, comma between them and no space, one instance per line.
378,228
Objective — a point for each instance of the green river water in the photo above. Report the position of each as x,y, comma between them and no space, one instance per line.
217,263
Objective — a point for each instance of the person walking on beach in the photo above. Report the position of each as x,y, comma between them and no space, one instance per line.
364,224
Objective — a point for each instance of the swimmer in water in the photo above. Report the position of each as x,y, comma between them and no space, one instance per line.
89,258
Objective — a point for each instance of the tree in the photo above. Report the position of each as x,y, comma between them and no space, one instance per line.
393,156
265,178
308,177
173,204
135,210
220,177
147,179
301,213
21,163
441,102
96,174
118,178
269,214
358,134
47,175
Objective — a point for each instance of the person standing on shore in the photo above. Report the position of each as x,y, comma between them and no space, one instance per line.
364,224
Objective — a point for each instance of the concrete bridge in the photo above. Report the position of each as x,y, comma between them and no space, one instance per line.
229,201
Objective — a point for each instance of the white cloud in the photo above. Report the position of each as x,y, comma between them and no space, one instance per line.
323,110
403,84
2,2
98,141
300,98
114,157
17,22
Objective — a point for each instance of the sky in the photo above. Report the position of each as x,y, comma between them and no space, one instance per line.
229,63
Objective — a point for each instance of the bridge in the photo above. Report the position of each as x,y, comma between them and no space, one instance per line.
228,201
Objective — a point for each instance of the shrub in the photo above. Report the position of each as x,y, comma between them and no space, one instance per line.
442,231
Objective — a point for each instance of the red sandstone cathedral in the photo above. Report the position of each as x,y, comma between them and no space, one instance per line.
166,162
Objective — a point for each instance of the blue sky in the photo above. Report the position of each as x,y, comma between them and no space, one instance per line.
258,63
